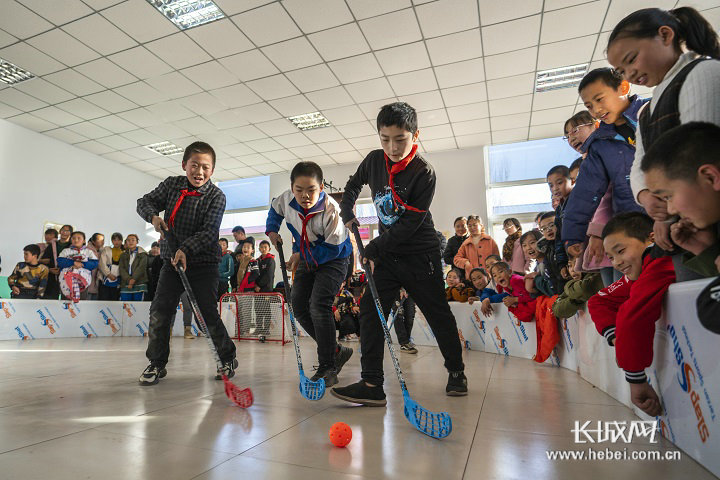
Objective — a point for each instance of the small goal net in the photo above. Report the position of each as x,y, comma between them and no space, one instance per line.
254,316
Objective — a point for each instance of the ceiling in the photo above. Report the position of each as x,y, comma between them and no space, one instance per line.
113,75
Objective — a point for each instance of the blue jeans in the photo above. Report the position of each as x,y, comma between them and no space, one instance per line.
132,296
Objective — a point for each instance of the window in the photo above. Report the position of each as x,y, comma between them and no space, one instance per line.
246,193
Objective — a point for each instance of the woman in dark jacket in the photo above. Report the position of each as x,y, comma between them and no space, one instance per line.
454,242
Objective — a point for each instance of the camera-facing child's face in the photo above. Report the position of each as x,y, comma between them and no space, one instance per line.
478,280
475,227
30,258
560,185
198,169
529,247
573,175
626,253
49,237
452,279
131,242
396,141
604,102
117,242
223,244
548,228
307,191
247,249
489,262
264,249
501,277
77,240
571,270
461,228
697,201
577,134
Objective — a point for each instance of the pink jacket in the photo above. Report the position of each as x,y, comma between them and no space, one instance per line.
603,214
519,263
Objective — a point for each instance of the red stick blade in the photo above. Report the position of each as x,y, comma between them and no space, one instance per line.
242,397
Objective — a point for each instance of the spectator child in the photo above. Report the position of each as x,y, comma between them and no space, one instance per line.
29,278
76,263
109,267
247,268
133,271
573,169
266,266
346,312
155,264
519,302
456,290
49,259
240,237
476,248
480,280
512,251
96,244
226,268
554,258
538,282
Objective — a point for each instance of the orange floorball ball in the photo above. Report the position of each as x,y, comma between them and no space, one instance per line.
340,434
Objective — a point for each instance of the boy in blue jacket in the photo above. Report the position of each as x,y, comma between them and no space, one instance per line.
610,152
321,252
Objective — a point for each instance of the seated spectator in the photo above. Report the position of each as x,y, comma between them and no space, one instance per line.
96,244
248,271
519,301
480,280
491,260
29,278
77,263
49,259
625,312
454,242
225,269
577,292
476,248
109,267
555,258
456,290
133,271
682,167
512,252
155,263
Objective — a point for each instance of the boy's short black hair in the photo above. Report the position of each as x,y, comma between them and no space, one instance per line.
504,265
606,75
32,249
238,228
266,242
306,169
478,269
249,242
198,147
116,236
632,224
52,231
78,232
680,151
561,170
575,164
532,233
398,114
498,257
546,215
154,244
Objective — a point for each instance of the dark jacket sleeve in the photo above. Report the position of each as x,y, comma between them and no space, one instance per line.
420,197
353,187
153,203
265,277
451,250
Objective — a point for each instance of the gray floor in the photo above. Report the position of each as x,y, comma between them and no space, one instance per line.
72,409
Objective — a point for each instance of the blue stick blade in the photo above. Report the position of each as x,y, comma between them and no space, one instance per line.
312,390
435,425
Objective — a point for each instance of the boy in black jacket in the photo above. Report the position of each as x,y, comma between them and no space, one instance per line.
193,207
266,265
406,254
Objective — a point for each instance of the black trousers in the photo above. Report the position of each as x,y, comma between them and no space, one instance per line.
404,321
108,293
348,324
313,293
52,291
422,277
203,281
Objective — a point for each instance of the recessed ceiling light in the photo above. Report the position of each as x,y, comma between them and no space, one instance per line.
165,148
12,74
563,77
188,13
308,121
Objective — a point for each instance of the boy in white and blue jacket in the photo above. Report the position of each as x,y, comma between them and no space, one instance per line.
321,252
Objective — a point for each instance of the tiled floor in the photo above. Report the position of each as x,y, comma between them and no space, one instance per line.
72,409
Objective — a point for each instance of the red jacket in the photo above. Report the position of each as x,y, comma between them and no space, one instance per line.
517,289
627,311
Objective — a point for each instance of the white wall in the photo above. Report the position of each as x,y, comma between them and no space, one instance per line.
44,179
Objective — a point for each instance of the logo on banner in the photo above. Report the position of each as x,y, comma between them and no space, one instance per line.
129,309
143,331
463,342
519,329
501,343
72,308
7,309
47,320
88,330
110,320
564,324
479,325
686,377
24,335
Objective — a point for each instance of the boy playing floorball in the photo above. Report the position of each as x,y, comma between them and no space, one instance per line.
193,207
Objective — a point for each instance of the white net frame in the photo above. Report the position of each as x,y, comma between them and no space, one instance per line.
255,316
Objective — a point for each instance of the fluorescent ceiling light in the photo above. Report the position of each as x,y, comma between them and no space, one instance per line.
563,77
188,13
12,74
308,121
165,148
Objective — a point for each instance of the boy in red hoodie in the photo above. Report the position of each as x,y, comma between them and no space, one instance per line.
625,312
520,303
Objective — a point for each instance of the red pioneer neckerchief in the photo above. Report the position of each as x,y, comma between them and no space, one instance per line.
183,193
394,169
304,239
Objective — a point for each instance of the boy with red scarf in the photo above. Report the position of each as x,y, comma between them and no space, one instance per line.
321,251
193,207
406,254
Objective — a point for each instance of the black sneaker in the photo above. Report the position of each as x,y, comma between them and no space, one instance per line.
361,393
341,357
152,375
228,369
328,373
408,348
457,384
